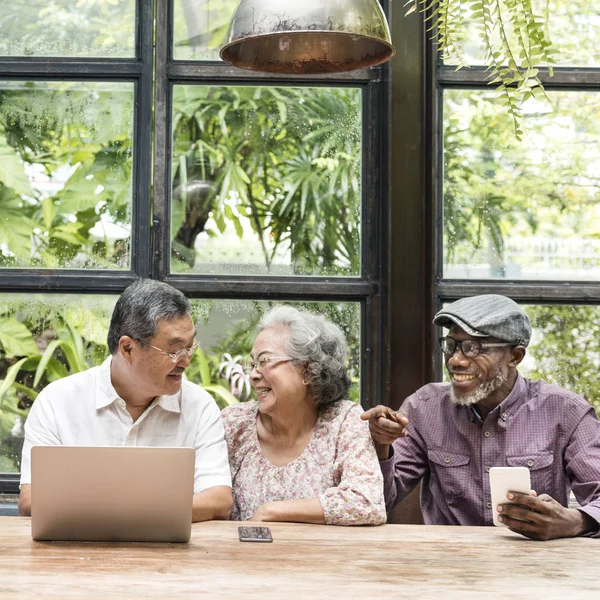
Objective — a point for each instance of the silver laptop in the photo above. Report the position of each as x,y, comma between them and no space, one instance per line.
108,494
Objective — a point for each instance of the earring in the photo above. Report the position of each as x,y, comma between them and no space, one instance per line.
305,382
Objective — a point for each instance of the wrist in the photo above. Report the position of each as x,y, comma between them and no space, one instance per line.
383,451
268,511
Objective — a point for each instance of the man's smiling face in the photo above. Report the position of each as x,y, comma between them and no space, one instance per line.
484,376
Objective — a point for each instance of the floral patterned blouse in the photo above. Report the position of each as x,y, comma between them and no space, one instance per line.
339,466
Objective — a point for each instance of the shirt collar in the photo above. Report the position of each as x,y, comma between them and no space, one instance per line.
106,393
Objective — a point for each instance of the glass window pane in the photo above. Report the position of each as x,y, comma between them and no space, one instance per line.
73,328
573,27
266,180
199,28
565,348
522,210
65,174
64,28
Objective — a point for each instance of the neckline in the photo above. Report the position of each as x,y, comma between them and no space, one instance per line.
259,449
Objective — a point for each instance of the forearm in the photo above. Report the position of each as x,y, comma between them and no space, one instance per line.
306,510
214,503
25,501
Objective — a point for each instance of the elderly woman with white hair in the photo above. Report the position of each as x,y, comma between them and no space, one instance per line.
301,452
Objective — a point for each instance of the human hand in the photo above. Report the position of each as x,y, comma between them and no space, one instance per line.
543,518
263,513
386,426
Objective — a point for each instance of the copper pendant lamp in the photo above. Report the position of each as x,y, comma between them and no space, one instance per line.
307,36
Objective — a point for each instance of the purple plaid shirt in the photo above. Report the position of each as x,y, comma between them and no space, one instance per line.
552,432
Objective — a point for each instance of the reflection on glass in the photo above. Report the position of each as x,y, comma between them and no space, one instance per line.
266,180
199,28
522,210
71,331
86,28
573,27
65,174
564,349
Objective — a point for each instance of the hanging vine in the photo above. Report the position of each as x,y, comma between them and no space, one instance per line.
514,39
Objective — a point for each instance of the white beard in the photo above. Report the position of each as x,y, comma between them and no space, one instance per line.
481,392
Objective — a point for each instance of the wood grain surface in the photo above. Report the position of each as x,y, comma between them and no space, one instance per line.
304,561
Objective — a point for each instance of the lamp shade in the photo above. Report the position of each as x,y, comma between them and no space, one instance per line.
307,36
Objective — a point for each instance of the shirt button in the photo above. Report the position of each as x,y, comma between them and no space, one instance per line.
504,415
487,434
489,505
447,459
530,463
487,469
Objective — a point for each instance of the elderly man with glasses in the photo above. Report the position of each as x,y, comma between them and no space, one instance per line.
449,435
138,397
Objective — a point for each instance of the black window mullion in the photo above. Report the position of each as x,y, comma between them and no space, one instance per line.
161,242
141,258
269,287
224,73
562,77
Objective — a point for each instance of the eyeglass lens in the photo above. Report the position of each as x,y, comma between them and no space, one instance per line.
470,348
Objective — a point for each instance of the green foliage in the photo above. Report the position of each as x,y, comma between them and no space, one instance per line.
80,28
566,351
284,162
75,140
495,187
514,38
203,370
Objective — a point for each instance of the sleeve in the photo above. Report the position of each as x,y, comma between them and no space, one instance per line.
40,430
408,461
358,499
212,466
582,464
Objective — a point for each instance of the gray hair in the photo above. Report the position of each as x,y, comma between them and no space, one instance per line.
319,345
140,308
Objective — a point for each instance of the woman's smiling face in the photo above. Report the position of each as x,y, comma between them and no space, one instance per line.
278,383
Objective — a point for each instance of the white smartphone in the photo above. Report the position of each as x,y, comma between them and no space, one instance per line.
504,480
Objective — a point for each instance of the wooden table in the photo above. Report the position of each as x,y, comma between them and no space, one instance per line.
304,561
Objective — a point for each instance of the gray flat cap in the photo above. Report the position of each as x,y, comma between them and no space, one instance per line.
488,315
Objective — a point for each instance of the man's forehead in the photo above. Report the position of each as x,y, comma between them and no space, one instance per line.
177,328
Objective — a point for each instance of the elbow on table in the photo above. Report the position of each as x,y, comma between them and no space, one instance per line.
223,512
24,505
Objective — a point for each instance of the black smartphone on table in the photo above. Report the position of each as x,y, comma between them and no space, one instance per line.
255,534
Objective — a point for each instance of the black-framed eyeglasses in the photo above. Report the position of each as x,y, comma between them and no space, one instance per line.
469,348
176,356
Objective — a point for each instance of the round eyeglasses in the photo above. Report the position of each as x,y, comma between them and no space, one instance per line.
469,348
263,361
177,356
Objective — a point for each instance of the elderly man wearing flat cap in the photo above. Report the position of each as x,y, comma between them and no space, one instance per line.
451,434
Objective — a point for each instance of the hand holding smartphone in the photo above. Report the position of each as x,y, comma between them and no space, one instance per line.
504,480
254,534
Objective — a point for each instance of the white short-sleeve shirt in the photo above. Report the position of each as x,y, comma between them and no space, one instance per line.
85,410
